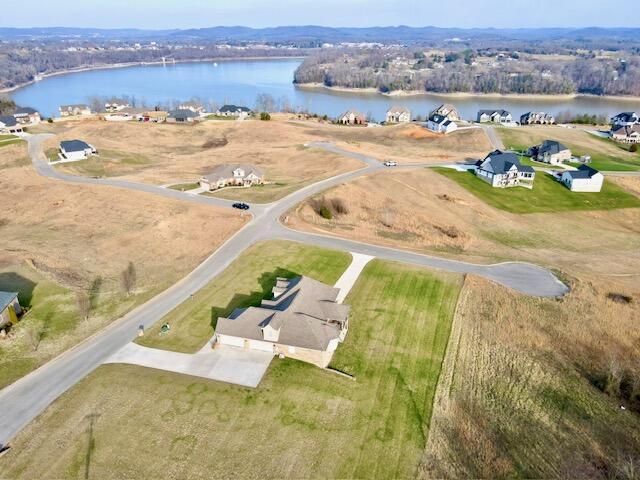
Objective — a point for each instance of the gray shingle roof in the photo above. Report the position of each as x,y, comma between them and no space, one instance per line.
233,108
502,162
74,145
6,298
25,111
8,120
584,171
302,314
551,147
226,171
182,113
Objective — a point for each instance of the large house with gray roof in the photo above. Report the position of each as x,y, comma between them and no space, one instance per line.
503,170
584,179
551,152
441,124
238,175
74,150
302,321
625,119
233,111
8,124
494,116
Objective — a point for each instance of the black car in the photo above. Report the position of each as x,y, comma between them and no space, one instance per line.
241,206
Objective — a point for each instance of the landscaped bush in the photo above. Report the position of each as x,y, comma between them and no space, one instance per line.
264,116
325,212
633,148
328,208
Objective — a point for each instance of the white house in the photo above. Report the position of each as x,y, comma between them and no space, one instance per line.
232,176
76,110
115,105
27,116
8,124
302,321
182,116
537,118
503,170
441,124
398,115
233,111
447,110
551,152
195,107
74,150
494,116
625,119
352,117
584,179
125,115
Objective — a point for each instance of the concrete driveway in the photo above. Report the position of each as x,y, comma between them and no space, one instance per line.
224,364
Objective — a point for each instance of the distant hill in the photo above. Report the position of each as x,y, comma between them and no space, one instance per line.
313,33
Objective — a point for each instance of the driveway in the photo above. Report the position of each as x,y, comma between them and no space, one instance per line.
224,364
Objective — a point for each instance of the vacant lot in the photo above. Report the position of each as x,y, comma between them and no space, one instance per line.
532,388
178,154
124,421
605,154
424,211
60,241
547,195
406,143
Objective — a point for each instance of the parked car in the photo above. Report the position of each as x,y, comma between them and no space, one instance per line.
390,163
241,206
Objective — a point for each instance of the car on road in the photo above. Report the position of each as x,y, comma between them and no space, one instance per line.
390,163
241,206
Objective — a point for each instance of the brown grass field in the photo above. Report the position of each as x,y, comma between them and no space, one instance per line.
426,212
59,239
533,388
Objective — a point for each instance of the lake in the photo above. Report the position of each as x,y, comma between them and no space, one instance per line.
240,81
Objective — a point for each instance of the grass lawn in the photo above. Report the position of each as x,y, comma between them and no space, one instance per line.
183,187
532,163
126,421
6,143
245,282
109,163
547,195
259,193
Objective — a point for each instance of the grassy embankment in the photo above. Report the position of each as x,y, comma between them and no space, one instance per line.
321,424
547,195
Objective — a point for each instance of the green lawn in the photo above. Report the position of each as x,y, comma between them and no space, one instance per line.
109,163
547,195
259,193
532,163
244,283
213,116
301,422
6,140
183,187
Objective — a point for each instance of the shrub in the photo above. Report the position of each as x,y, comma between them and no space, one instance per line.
339,206
265,117
325,212
49,120
633,148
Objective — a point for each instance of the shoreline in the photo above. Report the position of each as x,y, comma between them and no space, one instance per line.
508,96
69,71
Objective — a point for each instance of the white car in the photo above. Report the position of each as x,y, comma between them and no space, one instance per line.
390,163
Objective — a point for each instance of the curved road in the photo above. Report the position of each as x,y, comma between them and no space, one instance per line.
25,399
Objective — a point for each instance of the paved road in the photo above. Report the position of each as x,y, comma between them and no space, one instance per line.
28,397
493,136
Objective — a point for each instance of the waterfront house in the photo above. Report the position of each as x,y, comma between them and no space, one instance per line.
182,116
503,170
195,107
303,321
398,115
537,118
584,179
77,110
447,110
625,119
441,124
551,152
352,117
124,115
116,105
8,124
155,116
627,134
239,175
27,116
494,116
74,150
10,309
233,111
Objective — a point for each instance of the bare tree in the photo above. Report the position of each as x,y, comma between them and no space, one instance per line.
129,278
265,102
388,217
84,305
35,334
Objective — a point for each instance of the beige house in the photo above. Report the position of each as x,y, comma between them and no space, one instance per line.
551,152
628,134
239,175
302,321
27,116
351,117
155,116
504,170
398,115
125,114
77,110
537,118
195,107
9,308
448,111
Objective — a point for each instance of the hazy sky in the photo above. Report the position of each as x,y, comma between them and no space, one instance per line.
261,13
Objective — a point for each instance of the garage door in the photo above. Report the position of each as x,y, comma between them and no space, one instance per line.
262,346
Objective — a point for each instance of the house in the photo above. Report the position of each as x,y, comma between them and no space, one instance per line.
551,152
182,116
233,111
502,170
74,150
398,115
27,116
115,105
447,110
441,124
74,110
584,179
125,114
155,116
537,118
195,107
8,124
302,321
351,117
232,175
10,308
625,119
494,116
628,134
